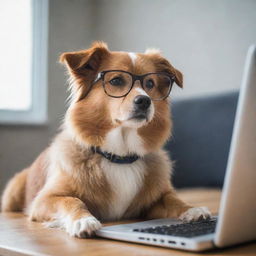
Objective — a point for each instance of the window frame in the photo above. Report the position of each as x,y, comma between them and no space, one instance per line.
37,113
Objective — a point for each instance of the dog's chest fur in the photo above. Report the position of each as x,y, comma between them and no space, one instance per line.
126,180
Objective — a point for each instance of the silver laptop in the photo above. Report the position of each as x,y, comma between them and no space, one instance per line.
236,222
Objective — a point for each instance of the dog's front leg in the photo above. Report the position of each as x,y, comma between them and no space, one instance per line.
66,212
170,206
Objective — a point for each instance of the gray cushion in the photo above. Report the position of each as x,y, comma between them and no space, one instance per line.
201,139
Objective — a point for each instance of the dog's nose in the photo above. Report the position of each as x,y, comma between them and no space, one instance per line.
142,102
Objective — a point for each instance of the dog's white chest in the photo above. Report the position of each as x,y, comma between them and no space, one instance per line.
125,180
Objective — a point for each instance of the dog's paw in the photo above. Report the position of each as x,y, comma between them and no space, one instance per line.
84,227
194,214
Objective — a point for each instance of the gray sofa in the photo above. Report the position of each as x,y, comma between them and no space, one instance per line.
201,139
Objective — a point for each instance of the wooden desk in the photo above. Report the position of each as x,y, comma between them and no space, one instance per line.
18,236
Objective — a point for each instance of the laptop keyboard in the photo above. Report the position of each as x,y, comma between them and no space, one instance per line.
192,229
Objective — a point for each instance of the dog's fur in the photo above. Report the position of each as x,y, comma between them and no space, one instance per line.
69,186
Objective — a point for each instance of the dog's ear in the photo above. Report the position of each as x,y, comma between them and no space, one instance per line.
178,78
86,59
163,65
83,65
81,61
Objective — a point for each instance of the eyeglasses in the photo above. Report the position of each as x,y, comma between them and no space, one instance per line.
118,83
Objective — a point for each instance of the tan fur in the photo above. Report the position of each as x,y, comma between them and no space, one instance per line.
158,198
67,183
36,177
13,198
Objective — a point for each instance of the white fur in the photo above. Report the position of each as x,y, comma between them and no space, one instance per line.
141,91
126,180
125,115
77,228
133,57
152,51
123,141
195,213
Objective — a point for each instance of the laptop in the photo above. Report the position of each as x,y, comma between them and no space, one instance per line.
236,222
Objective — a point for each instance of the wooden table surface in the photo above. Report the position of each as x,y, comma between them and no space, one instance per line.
18,236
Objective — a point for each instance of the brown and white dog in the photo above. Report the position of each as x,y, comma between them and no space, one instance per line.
73,186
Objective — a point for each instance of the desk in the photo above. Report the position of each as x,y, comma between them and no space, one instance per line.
18,236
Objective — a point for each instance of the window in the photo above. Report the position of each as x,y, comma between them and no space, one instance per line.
23,65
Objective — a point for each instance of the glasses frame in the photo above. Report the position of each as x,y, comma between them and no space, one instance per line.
102,74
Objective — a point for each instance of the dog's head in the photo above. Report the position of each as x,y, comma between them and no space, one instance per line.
120,94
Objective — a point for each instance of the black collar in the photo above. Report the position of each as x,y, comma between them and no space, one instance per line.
115,158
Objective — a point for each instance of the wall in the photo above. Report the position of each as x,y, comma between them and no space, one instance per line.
69,28
207,40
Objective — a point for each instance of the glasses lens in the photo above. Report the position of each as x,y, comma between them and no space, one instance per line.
117,83
157,86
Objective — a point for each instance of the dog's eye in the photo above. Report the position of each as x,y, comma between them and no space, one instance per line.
149,84
117,81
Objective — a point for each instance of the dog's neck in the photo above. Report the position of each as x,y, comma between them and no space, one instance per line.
129,159
123,141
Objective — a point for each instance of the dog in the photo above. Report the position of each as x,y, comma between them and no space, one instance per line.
107,161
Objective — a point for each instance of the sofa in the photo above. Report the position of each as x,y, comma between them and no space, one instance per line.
201,139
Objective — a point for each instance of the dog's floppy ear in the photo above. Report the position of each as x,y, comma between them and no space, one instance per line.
178,78
163,65
85,60
83,65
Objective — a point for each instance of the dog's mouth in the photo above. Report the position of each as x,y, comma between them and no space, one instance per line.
139,116
136,117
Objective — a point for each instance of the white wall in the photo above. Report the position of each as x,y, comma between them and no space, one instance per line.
207,40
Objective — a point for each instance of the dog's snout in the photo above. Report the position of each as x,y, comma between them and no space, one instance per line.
142,102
